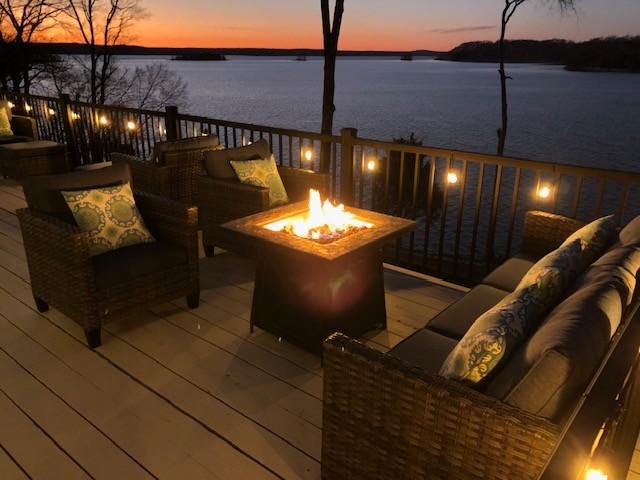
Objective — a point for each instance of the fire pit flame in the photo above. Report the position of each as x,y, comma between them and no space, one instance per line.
324,222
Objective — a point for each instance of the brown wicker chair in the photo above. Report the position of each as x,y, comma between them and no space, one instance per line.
174,167
220,201
386,418
95,290
24,128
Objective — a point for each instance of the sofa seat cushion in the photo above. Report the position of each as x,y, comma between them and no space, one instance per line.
425,348
43,192
547,374
216,163
9,139
508,275
454,321
127,264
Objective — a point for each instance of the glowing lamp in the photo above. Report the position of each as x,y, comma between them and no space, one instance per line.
544,192
10,104
27,107
131,125
307,154
452,178
75,116
103,121
595,474
51,111
372,165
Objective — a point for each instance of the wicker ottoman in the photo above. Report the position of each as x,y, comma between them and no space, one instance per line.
41,157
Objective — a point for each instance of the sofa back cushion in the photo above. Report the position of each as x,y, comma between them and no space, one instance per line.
43,192
162,149
548,373
216,163
630,234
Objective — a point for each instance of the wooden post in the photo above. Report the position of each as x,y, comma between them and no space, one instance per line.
67,125
346,165
171,123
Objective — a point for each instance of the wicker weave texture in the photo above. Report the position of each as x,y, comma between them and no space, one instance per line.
62,273
544,232
383,419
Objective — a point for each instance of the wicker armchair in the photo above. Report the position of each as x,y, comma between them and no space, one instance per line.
174,168
385,418
95,290
23,127
223,200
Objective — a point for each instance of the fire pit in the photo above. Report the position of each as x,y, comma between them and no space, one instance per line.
319,268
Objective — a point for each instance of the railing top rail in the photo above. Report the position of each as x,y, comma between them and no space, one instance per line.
250,126
29,95
498,160
137,111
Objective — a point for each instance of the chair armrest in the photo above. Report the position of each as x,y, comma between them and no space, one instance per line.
24,126
543,232
168,220
147,176
297,182
383,418
230,199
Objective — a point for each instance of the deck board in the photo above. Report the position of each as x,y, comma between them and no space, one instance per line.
171,392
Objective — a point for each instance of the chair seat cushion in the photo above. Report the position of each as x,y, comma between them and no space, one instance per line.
217,165
31,149
9,139
425,348
43,192
457,318
127,264
508,275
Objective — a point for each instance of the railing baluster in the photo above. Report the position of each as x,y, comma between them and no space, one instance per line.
490,253
443,219
462,182
600,197
429,207
400,209
514,210
576,197
362,178
623,202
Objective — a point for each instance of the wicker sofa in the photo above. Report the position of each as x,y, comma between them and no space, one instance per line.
174,168
93,290
393,416
23,127
223,198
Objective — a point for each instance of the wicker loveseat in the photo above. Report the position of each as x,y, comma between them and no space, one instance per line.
93,290
223,198
174,168
393,416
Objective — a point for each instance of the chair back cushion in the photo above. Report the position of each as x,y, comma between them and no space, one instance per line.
110,216
5,123
161,149
262,173
216,163
43,193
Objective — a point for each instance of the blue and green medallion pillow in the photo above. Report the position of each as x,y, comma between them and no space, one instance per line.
566,259
5,122
497,333
262,172
594,238
110,216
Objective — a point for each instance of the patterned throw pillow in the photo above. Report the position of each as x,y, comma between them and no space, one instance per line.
110,216
594,238
497,333
5,124
262,172
566,259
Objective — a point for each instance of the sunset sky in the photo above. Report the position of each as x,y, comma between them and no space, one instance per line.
373,24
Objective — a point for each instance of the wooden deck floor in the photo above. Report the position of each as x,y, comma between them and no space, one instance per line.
172,393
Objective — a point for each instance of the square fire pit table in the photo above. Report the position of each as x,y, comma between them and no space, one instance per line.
305,290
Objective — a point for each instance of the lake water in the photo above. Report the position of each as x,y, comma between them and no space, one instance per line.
590,119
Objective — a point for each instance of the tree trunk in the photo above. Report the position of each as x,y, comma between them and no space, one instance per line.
502,131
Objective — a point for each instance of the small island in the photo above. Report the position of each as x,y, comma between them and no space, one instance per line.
202,56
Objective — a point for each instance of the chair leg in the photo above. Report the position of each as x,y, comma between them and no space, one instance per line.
41,305
209,250
193,300
94,337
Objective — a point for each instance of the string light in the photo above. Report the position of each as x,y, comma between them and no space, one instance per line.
51,111
75,116
307,154
452,178
27,107
544,192
10,105
103,121
372,165
131,125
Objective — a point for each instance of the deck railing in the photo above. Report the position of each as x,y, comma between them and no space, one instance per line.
469,207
